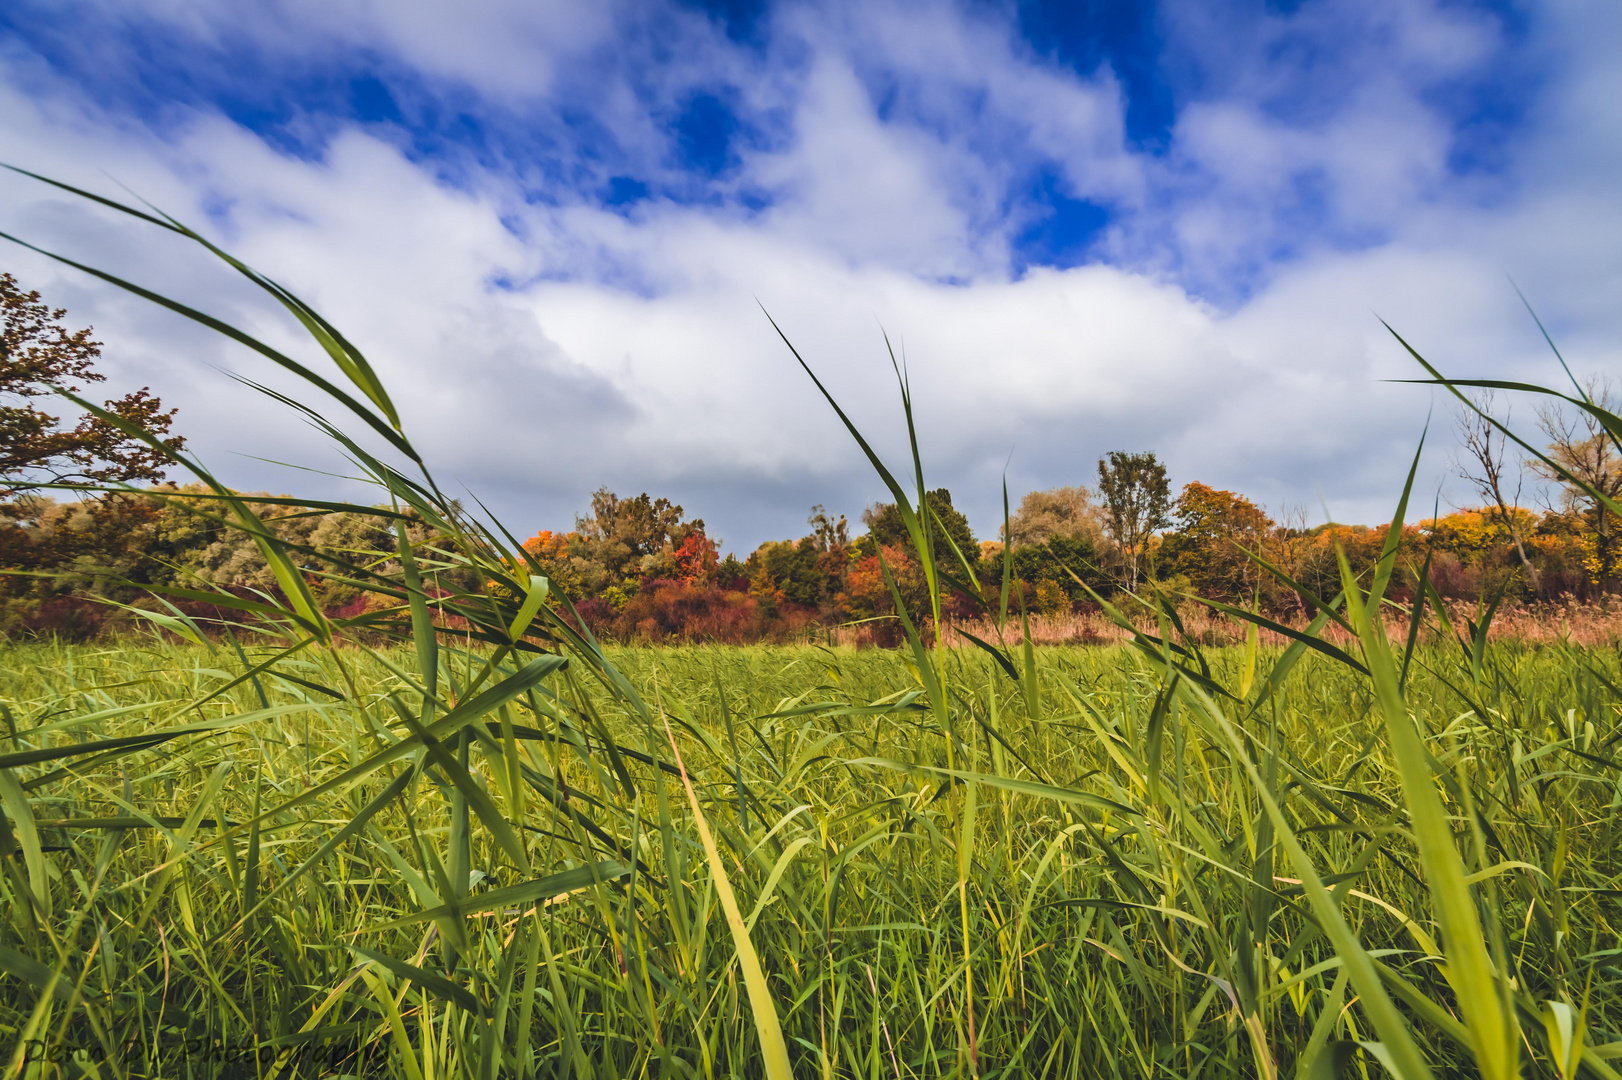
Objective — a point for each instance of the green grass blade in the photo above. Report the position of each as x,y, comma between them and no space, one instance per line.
514,896
774,1051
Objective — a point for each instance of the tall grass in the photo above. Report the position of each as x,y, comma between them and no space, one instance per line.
1099,913
493,847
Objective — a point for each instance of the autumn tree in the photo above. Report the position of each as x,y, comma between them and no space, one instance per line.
831,539
1587,452
1214,530
636,537
696,558
38,355
557,553
1058,536
1137,498
829,535
1068,513
790,571
886,527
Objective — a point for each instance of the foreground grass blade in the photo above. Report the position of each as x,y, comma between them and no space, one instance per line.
767,1028
1489,1017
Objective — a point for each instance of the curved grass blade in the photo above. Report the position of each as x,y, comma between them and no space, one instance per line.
514,896
371,419
436,984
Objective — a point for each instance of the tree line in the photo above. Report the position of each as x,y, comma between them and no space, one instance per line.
637,579
638,568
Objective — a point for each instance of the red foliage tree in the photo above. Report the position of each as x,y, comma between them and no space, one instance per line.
38,355
696,558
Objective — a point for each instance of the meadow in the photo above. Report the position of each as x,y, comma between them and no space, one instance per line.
448,833
1087,887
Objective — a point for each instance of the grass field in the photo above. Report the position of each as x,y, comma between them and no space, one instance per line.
1105,895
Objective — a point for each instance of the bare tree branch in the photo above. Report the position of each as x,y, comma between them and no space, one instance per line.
1582,446
1486,465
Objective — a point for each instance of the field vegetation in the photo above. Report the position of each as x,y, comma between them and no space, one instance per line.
1090,889
447,832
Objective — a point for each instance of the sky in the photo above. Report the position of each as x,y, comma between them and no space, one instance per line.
557,230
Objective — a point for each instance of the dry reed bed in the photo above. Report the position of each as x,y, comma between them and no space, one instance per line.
1587,624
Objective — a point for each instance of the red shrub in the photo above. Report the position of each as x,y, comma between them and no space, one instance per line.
67,618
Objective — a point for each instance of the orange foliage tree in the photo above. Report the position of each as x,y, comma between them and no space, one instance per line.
1214,529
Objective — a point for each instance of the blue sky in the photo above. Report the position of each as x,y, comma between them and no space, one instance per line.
1090,226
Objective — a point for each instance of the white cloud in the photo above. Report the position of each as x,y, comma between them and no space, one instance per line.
872,194
509,50
631,351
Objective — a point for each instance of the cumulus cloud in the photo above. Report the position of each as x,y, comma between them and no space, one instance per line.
873,170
